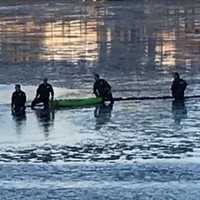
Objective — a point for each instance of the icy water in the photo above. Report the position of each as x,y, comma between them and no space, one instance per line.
133,150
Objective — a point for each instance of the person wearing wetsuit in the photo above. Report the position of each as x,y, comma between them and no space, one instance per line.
18,101
43,93
102,89
178,87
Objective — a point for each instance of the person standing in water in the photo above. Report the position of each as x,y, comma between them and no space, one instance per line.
43,94
18,101
178,87
102,89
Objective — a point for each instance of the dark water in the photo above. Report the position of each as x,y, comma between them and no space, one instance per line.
136,46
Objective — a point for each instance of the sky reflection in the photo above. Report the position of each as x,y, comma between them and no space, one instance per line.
98,32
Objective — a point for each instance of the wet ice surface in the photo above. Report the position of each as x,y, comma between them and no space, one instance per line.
101,181
103,157
122,132
135,150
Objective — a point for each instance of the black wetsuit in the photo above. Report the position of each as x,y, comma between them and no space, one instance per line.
18,102
42,95
102,88
178,87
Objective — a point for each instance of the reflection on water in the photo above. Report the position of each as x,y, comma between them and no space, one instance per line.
20,122
102,113
46,120
179,111
140,42
70,40
134,130
46,36
129,38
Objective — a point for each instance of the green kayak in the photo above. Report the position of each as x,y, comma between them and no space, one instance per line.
74,103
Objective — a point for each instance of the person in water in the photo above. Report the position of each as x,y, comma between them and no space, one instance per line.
18,101
43,94
102,89
178,87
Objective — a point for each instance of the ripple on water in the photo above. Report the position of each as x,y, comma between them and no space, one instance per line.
92,152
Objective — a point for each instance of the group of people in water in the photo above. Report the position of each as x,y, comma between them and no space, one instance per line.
43,93
101,88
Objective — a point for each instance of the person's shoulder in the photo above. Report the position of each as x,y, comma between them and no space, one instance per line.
176,82
98,81
14,93
49,85
41,85
103,80
23,92
183,81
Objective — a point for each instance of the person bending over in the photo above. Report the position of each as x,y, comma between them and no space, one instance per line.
42,94
102,89
18,101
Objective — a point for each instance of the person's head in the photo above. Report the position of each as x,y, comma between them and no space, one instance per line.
17,87
45,80
96,77
176,75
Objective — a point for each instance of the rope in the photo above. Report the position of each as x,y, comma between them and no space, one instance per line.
151,98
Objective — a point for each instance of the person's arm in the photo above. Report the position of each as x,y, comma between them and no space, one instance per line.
186,84
108,85
24,98
172,88
95,90
12,101
52,93
38,92
183,84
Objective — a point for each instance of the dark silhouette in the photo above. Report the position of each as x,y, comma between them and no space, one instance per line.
42,95
18,101
102,113
46,119
102,89
179,111
178,87
20,121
